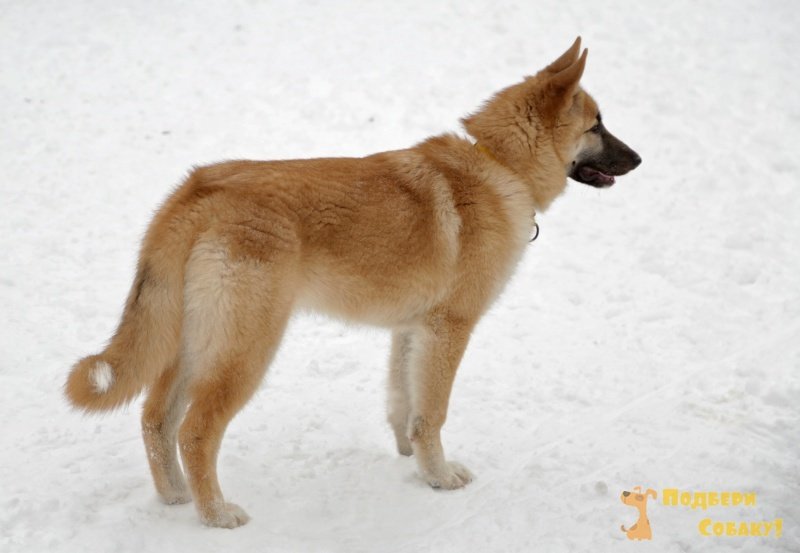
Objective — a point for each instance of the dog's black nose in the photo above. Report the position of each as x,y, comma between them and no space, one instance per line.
636,160
626,494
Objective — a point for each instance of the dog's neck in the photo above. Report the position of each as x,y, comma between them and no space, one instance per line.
544,185
488,153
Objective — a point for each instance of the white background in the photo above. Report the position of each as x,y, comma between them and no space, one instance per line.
651,336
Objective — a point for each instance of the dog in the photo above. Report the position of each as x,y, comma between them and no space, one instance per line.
420,241
641,530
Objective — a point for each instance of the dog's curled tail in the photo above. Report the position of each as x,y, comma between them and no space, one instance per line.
147,339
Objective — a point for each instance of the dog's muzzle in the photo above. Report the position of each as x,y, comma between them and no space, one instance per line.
613,160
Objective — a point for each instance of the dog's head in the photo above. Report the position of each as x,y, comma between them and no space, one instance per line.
547,128
637,498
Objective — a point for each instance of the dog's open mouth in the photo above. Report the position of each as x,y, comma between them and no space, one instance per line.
593,177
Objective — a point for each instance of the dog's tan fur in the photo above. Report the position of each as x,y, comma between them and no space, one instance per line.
420,241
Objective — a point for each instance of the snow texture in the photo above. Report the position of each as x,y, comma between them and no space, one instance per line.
651,336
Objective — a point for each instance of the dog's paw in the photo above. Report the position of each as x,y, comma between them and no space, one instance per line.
404,448
229,515
452,476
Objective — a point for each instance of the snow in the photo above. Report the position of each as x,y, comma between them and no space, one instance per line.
649,337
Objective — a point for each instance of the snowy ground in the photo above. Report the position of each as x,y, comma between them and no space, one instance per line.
650,337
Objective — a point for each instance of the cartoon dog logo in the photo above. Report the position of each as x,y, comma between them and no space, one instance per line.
641,530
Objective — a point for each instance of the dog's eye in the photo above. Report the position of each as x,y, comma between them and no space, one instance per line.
595,129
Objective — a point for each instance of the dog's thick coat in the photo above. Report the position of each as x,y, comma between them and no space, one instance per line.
420,241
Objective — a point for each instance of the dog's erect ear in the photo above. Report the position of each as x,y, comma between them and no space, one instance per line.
566,59
651,493
560,88
567,79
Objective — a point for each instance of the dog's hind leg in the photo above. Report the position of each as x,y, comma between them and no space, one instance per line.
399,404
236,313
162,414
436,351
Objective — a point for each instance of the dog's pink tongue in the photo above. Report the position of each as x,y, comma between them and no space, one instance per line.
605,179
589,173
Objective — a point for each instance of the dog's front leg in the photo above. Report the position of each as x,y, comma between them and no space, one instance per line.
436,351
